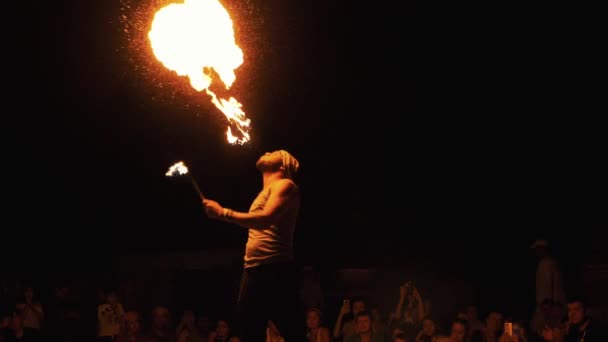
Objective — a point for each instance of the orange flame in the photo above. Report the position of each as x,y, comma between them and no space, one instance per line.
198,34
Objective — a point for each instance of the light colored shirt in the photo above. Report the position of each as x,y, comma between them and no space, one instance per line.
110,319
275,243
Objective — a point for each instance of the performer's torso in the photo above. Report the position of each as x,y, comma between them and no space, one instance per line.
274,243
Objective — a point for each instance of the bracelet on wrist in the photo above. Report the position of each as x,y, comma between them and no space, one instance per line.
226,214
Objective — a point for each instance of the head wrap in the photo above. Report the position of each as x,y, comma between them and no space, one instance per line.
290,164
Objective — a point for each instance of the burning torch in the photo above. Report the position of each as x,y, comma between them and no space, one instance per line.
180,169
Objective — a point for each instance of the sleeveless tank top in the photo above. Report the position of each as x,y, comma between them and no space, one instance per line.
274,243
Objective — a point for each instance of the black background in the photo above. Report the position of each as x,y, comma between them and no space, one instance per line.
423,133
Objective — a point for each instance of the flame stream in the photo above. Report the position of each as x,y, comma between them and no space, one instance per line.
196,35
232,109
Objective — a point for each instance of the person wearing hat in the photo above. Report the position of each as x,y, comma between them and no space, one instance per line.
268,290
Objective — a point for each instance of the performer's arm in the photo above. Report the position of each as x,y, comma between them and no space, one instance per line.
281,192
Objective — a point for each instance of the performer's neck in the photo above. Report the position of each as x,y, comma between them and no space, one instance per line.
271,177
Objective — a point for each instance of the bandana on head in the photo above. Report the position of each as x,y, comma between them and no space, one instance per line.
290,164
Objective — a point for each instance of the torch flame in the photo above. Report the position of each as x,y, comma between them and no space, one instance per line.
193,37
178,168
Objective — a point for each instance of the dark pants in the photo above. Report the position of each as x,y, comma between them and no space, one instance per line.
270,292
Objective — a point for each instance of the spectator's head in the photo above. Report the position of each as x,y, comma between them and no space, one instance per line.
222,328
234,339
363,322
442,338
401,337
576,311
358,305
556,313
5,320
61,292
494,321
519,330
313,318
132,323
160,318
428,326
546,306
472,313
188,318
203,323
396,331
111,296
458,330
28,293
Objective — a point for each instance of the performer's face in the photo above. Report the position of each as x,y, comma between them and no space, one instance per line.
269,160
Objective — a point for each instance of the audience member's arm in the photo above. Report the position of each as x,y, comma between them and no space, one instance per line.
343,311
419,336
399,308
180,327
122,316
420,305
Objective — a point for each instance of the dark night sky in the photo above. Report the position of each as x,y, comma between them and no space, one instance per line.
413,127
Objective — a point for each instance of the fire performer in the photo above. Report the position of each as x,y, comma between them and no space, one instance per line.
268,290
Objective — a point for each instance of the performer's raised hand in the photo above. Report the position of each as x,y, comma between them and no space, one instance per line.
212,209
